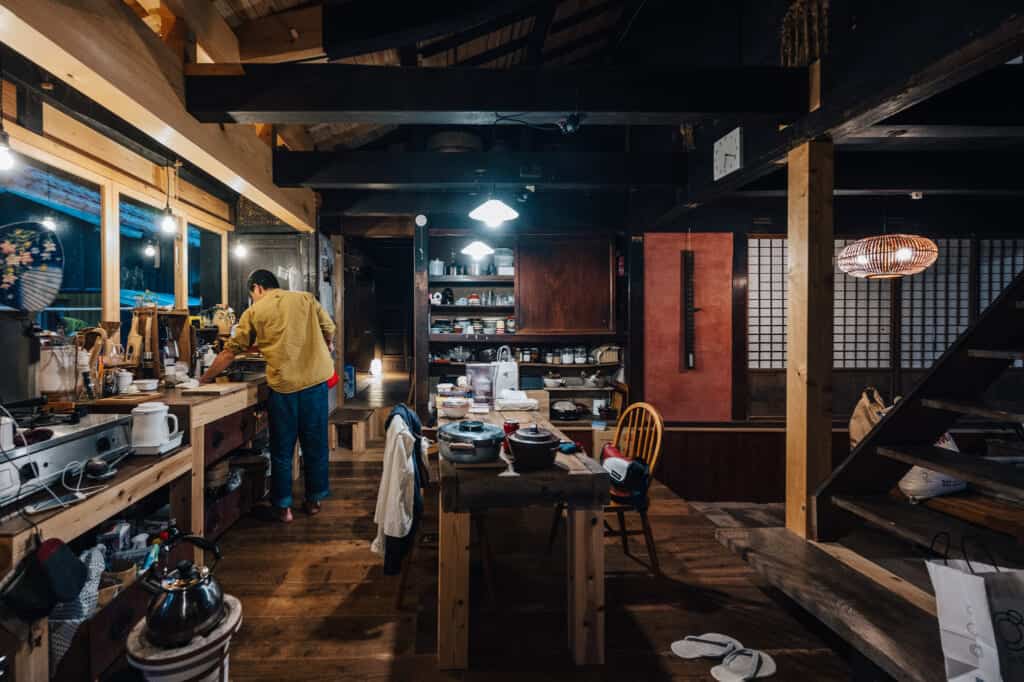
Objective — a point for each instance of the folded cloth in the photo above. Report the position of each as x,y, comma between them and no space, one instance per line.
515,405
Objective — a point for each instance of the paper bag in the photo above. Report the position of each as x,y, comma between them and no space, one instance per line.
981,620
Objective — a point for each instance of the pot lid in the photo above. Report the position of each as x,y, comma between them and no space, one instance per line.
471,431
185,576
145,408
534,434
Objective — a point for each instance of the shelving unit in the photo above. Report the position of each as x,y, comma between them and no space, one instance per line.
542,365
502,339
469,280
435,308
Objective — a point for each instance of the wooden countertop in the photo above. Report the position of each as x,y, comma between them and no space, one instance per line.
576,479
202,409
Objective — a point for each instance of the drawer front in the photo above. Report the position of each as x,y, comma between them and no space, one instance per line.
221,513
231,432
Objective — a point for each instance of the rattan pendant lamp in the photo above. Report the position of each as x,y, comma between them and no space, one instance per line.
887,256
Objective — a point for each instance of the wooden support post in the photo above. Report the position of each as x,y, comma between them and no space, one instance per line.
359,436
224,268
181,264
197,511
453,590
110,255
585,555
421,320
809,335
338,244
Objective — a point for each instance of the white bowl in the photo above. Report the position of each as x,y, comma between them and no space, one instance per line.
146,384
553,383
454,408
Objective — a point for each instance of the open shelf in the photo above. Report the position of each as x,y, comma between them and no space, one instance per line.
472,308
473,279
577,337
542,365
580,389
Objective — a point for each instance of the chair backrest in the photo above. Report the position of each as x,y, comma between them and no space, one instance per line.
638,433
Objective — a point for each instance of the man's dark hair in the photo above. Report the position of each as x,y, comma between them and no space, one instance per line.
263,278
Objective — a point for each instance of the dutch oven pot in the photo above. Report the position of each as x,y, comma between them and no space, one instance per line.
470,442
186,602
533,448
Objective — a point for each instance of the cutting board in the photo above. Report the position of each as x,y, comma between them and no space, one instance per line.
127,398
215,389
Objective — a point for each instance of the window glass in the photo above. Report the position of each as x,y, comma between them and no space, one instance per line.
147,259
204,276
71,208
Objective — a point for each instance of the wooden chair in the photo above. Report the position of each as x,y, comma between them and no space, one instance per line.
638,435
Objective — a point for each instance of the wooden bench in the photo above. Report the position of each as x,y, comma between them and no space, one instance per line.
892,632
354,420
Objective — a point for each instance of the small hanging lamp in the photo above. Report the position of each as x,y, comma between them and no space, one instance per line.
888,256
168,224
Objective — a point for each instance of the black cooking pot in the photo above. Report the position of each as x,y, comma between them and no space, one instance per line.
470,442
564,410
533,448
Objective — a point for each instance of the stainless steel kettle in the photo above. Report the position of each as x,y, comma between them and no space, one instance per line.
187,601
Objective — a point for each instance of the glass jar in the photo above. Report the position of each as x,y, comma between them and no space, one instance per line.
549,357
568,357
580,356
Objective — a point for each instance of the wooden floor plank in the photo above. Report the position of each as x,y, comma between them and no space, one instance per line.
318,607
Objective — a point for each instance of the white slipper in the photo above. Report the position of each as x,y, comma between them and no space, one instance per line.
744,664
709,645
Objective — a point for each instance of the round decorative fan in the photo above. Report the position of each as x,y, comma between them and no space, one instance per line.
31,266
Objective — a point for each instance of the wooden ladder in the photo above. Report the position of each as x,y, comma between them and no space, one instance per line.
860,489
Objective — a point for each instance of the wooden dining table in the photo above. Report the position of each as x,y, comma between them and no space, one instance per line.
576,480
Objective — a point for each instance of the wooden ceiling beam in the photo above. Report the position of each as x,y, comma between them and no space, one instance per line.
102,50
872,80
211,31
475,170
457,40
362,26
293,35
335,93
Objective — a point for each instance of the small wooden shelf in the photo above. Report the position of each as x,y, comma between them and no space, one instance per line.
472,308
541,365
580,389
473,279
575,337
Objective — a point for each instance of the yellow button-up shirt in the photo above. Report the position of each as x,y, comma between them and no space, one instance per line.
289,328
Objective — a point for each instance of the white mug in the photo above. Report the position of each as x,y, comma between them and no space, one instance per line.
152,424
124,380
599,403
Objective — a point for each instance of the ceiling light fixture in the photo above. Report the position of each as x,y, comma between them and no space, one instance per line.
168,223
421,220
241,250
888,256
477,250
493,213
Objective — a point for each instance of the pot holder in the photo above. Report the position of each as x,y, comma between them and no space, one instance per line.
709,645
744,664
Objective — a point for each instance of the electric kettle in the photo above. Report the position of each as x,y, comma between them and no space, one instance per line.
187,601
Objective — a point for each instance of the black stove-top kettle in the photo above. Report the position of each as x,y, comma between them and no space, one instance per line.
187,601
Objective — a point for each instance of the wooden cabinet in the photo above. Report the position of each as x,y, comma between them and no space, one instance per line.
565,285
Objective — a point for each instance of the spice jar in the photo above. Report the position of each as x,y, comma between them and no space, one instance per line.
580,356
549,357
568,357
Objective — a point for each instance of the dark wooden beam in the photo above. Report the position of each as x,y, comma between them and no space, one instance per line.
595,10
488,56
475,170
362,26
982,173
539,34
456,40
604,35
342,93
880,75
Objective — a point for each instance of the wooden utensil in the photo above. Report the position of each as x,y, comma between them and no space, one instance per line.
133,353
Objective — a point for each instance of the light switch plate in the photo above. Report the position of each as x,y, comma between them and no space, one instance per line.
728,153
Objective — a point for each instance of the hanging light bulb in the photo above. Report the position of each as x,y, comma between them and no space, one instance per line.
167,223
477,250
493,213
49,223
241,250
149,250
6,155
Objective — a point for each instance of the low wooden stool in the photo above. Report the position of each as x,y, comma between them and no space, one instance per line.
204,659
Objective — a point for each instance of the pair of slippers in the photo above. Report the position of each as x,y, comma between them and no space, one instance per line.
738,664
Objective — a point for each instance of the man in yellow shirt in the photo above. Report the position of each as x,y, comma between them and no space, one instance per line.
293,332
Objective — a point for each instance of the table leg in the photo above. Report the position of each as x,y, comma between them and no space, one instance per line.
586,585
197,516
453,590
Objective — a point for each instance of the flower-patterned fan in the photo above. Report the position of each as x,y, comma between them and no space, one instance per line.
31,266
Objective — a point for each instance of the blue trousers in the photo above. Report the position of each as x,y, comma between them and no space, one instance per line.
301,415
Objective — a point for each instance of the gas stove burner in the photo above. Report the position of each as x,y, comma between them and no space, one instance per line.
35,418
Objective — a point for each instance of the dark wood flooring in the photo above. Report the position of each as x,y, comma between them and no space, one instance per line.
317,606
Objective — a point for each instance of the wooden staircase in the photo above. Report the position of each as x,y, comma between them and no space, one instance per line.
861,488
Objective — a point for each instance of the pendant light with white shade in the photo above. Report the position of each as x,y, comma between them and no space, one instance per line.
493,213
477,250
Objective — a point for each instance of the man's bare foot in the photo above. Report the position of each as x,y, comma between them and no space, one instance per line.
283,515
312,508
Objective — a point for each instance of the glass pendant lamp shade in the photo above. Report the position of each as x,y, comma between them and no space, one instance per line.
477,250
493,213
887,256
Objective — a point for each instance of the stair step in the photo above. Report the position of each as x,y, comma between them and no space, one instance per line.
892,632
980,510
996,354
994,412
1002,479
920,525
